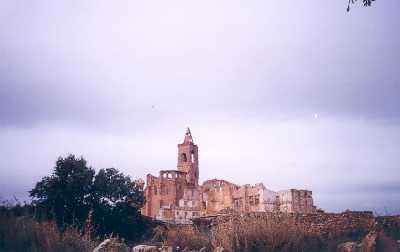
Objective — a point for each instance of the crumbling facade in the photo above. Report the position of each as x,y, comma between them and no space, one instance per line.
175,196
295,201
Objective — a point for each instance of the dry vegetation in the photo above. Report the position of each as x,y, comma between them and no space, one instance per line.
251,234
187,237
246,233
26,234
243,234
236,233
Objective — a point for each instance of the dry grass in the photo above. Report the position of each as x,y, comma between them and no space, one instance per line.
245,233
26,234
234,233
187,237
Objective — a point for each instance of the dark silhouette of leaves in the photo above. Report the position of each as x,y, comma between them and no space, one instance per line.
366,3
73,190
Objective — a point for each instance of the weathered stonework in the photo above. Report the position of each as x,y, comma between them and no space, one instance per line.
295,201
175,196
217,195
326,225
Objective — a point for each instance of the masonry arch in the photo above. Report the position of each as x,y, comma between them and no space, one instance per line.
183,157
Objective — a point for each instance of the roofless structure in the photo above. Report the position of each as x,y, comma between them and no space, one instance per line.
175,196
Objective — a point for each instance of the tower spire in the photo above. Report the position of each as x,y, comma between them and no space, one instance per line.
188,136
188,159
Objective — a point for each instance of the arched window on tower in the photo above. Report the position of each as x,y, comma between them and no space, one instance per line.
192,157
183,157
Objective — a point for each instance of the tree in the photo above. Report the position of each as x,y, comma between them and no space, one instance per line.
111,186
73,190
365,3
116,204
66,194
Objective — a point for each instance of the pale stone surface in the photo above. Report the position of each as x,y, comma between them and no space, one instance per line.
219,249
166,249
348,247
102,246
296,201
111,245
144,248
368,244
176,197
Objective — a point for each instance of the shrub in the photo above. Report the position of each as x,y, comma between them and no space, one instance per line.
187,237
245,233
26,234
73,190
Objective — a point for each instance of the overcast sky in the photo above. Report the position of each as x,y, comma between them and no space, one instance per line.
294,94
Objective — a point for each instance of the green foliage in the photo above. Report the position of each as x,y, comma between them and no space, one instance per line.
73,190
111,187
116,204
66,194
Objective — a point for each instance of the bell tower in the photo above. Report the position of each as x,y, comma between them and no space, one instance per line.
188,159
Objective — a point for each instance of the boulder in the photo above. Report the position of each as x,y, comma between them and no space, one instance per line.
102,246
219,249
368,244
145,248
166,249
372,242
348,247
111,245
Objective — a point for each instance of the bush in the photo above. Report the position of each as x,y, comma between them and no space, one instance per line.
74,190
24,233
245,233
187,237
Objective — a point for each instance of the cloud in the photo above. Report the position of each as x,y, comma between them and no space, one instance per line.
82,64
119,82
332,157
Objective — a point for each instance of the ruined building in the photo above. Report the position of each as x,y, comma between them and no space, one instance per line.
175,196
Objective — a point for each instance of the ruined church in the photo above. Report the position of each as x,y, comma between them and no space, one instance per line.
175,196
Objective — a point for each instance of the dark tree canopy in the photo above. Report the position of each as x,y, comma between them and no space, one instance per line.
66,194
73,190
116,204
111,186
365,3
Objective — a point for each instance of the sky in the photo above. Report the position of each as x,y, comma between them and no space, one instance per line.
293,95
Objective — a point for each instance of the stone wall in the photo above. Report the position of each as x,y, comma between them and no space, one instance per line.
295,201
217,195
152,195
165,192
325,225
390,225
331,225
